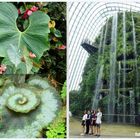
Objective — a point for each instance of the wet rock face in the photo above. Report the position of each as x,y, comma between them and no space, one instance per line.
26,110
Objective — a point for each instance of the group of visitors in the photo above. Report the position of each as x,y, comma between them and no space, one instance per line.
91,122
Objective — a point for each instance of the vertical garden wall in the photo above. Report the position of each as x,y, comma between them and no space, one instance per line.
111,76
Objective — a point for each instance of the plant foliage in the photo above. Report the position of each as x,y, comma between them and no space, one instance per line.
26,109
83,98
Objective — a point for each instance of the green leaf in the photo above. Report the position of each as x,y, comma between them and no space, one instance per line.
14,55
40,91
63,92
57,33
21,69
35,37
22,9
25,24
6,61
28,61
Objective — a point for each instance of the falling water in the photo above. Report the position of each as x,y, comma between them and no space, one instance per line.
132,106
135,52
99,73
100,67
124,68
105,36
97,88
99,54
111,104
101,41
118,100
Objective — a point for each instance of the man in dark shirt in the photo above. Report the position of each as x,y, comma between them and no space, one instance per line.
87,122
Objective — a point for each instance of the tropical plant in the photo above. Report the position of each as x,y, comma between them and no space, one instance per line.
28,36
27,108
57,129
63,92
16,45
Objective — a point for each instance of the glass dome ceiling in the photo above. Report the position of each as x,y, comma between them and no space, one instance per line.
85,22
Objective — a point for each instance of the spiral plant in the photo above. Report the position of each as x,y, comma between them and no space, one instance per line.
27,108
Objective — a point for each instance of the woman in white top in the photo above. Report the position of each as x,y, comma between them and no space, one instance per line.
98,122
84,122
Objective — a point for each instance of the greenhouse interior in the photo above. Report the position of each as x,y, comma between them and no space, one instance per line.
104,60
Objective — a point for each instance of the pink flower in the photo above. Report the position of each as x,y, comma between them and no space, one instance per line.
32,55
62,47
29,12
2,68
26,14
34,8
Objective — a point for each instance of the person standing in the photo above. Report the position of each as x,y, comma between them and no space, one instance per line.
94,122
91,122
98,122
84,122
87,122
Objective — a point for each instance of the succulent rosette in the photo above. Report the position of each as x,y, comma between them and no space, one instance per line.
26,109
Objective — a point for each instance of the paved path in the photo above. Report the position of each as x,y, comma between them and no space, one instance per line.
107,130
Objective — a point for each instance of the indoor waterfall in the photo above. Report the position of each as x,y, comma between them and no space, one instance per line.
111,102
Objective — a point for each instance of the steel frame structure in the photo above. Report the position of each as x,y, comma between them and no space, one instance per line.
85,20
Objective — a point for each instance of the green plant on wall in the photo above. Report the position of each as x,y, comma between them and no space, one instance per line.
81,100
87,87
63,92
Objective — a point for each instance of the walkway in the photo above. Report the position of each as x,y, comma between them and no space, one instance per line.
107,130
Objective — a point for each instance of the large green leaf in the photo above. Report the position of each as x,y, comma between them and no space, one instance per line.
14,55
35,37
28,61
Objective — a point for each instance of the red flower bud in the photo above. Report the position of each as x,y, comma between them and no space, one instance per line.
26,14
32,55
34,8
62,47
